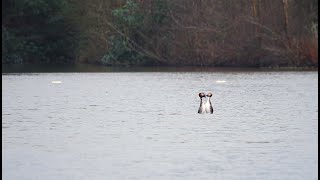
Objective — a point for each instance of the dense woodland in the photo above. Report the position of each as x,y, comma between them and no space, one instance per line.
255,33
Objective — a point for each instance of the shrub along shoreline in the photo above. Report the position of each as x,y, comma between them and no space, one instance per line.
210,33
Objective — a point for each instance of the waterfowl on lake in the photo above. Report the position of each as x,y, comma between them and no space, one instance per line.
208,105
202,106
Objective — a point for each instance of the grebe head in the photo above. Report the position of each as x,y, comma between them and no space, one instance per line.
209,94
201,95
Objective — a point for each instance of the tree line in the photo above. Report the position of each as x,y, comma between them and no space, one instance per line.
255,33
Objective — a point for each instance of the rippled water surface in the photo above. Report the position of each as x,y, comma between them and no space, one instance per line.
145,126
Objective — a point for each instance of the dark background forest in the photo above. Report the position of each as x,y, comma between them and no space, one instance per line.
245,33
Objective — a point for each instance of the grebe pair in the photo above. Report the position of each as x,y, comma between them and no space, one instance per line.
205,107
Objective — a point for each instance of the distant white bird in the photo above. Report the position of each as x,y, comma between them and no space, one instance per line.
219,81
208,105
202,105
55,82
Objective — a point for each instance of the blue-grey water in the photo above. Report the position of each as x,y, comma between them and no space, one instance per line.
145,126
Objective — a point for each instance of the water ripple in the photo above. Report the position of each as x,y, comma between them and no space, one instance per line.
264,126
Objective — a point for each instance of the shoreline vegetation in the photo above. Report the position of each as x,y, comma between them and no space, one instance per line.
278,35
45,68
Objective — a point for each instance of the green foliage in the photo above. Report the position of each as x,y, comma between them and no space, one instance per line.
159,15
314,28
122,54
37,31
132,23
10,48
129,20
140,32
129,16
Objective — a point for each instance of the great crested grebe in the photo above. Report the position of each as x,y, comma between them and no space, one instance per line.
208,105
202,106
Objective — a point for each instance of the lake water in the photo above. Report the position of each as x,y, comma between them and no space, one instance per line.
145,126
